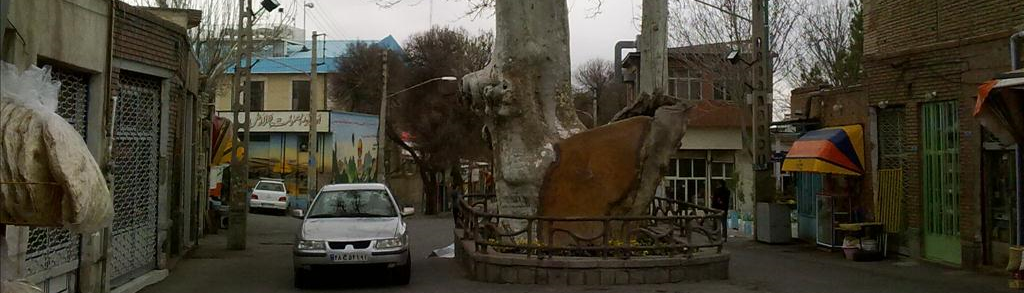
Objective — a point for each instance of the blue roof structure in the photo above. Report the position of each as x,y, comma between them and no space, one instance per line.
329,48
291,65
298,62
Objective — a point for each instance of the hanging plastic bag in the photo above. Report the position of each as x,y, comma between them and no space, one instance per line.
48,177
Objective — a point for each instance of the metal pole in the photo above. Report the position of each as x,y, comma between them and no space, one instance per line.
241,91
382,124
595,111
312,143
1015,64
1020,191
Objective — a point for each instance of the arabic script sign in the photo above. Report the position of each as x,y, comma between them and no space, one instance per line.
284,121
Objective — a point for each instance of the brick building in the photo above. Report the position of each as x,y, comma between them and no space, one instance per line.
713,148
923,63
935,176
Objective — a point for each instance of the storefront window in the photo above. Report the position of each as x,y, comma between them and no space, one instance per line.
1000,193
688,179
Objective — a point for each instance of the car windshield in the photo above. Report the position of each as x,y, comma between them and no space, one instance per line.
352,203
270,186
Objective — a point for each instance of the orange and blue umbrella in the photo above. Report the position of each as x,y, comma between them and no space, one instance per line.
832,150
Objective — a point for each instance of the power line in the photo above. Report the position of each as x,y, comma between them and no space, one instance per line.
330,21
318,18
319,21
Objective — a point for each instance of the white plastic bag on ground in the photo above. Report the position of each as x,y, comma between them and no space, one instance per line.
48,177
444,252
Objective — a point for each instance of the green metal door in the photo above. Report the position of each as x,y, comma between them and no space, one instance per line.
940,141
808,185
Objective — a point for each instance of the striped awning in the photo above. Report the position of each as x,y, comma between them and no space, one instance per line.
833,150
1000,107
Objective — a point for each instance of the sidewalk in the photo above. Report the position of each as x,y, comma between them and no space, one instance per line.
802,267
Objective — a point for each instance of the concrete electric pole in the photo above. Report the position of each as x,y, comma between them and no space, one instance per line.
382,123
761,103
238,199
311,144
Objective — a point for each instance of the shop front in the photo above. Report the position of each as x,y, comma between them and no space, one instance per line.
1000,109
831,205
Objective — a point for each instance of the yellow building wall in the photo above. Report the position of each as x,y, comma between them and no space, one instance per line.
277,91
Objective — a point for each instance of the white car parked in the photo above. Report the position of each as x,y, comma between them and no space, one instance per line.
269,194
353,225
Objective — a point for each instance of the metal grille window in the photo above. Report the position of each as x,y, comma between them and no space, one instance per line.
136,143
890,139
56,250
892,163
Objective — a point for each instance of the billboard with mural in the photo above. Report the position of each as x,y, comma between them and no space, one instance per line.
355,146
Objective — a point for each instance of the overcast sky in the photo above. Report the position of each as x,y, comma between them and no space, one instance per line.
590,36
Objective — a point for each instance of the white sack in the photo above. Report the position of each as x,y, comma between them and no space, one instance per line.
41,147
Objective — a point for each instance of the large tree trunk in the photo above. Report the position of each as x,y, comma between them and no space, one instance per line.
654,48
669,114
652,84
524,93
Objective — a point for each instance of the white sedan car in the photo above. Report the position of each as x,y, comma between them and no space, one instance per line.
269,194
353,225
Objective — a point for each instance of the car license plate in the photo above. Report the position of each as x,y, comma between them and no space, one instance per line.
349,257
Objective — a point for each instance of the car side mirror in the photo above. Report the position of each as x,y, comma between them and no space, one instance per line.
408,211
297,213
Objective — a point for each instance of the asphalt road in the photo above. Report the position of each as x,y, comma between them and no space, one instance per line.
267,267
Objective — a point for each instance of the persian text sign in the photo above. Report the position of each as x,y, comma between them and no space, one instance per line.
284,121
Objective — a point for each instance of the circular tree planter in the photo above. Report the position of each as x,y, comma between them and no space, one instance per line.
677,242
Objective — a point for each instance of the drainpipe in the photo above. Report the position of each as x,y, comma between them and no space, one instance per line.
618,55
1020,193
1014,50
1015,64
4,4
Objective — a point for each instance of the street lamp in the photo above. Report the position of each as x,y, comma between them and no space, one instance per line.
304,6
444,78
382,123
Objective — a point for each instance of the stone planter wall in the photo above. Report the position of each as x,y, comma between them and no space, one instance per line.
519,269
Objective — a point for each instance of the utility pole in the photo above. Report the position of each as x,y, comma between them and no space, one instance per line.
382,123
761,103
238,199
311,144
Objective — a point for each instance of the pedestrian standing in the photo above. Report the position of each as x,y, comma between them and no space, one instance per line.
720,198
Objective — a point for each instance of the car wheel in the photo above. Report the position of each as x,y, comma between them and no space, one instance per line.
302,278
401,274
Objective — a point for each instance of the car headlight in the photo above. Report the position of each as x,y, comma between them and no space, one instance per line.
310,245
391,242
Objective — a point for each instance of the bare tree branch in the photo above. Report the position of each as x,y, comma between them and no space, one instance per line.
213,40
